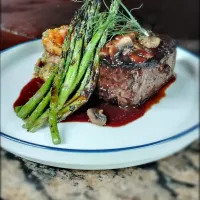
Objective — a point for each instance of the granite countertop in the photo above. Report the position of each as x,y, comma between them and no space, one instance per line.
173,178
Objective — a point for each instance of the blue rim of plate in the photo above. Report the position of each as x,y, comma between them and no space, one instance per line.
177,136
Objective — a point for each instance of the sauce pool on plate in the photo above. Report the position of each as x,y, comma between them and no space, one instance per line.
116,116
28,91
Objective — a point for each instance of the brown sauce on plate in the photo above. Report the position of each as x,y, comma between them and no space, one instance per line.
116,116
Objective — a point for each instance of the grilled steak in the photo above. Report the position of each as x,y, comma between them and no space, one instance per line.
130,77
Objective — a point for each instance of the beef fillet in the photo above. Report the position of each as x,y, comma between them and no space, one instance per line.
131,77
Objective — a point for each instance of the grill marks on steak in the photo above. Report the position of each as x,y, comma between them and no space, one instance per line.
131,83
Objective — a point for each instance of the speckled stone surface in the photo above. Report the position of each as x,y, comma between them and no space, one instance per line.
173,178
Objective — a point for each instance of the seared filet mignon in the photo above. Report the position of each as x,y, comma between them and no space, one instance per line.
134,74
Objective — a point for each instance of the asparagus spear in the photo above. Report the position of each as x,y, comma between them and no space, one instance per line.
68,47
86,59
60,76
81,100
87,90
70,77
58,81
35,100
89,52
83,84
53,117
74,106
90,73
41,121
53,97
92,11
38,111
74,21
88,56
73,68
44,117
66,43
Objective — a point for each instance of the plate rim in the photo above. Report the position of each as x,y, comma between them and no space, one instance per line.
111,150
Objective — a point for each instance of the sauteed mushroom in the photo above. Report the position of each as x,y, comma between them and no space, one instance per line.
96,116
150,41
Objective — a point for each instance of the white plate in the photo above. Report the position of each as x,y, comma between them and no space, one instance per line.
165,129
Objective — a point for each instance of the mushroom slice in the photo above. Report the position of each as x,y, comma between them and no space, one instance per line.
96,116
150,41
125,42
130,35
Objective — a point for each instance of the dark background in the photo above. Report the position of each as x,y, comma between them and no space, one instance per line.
23,20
